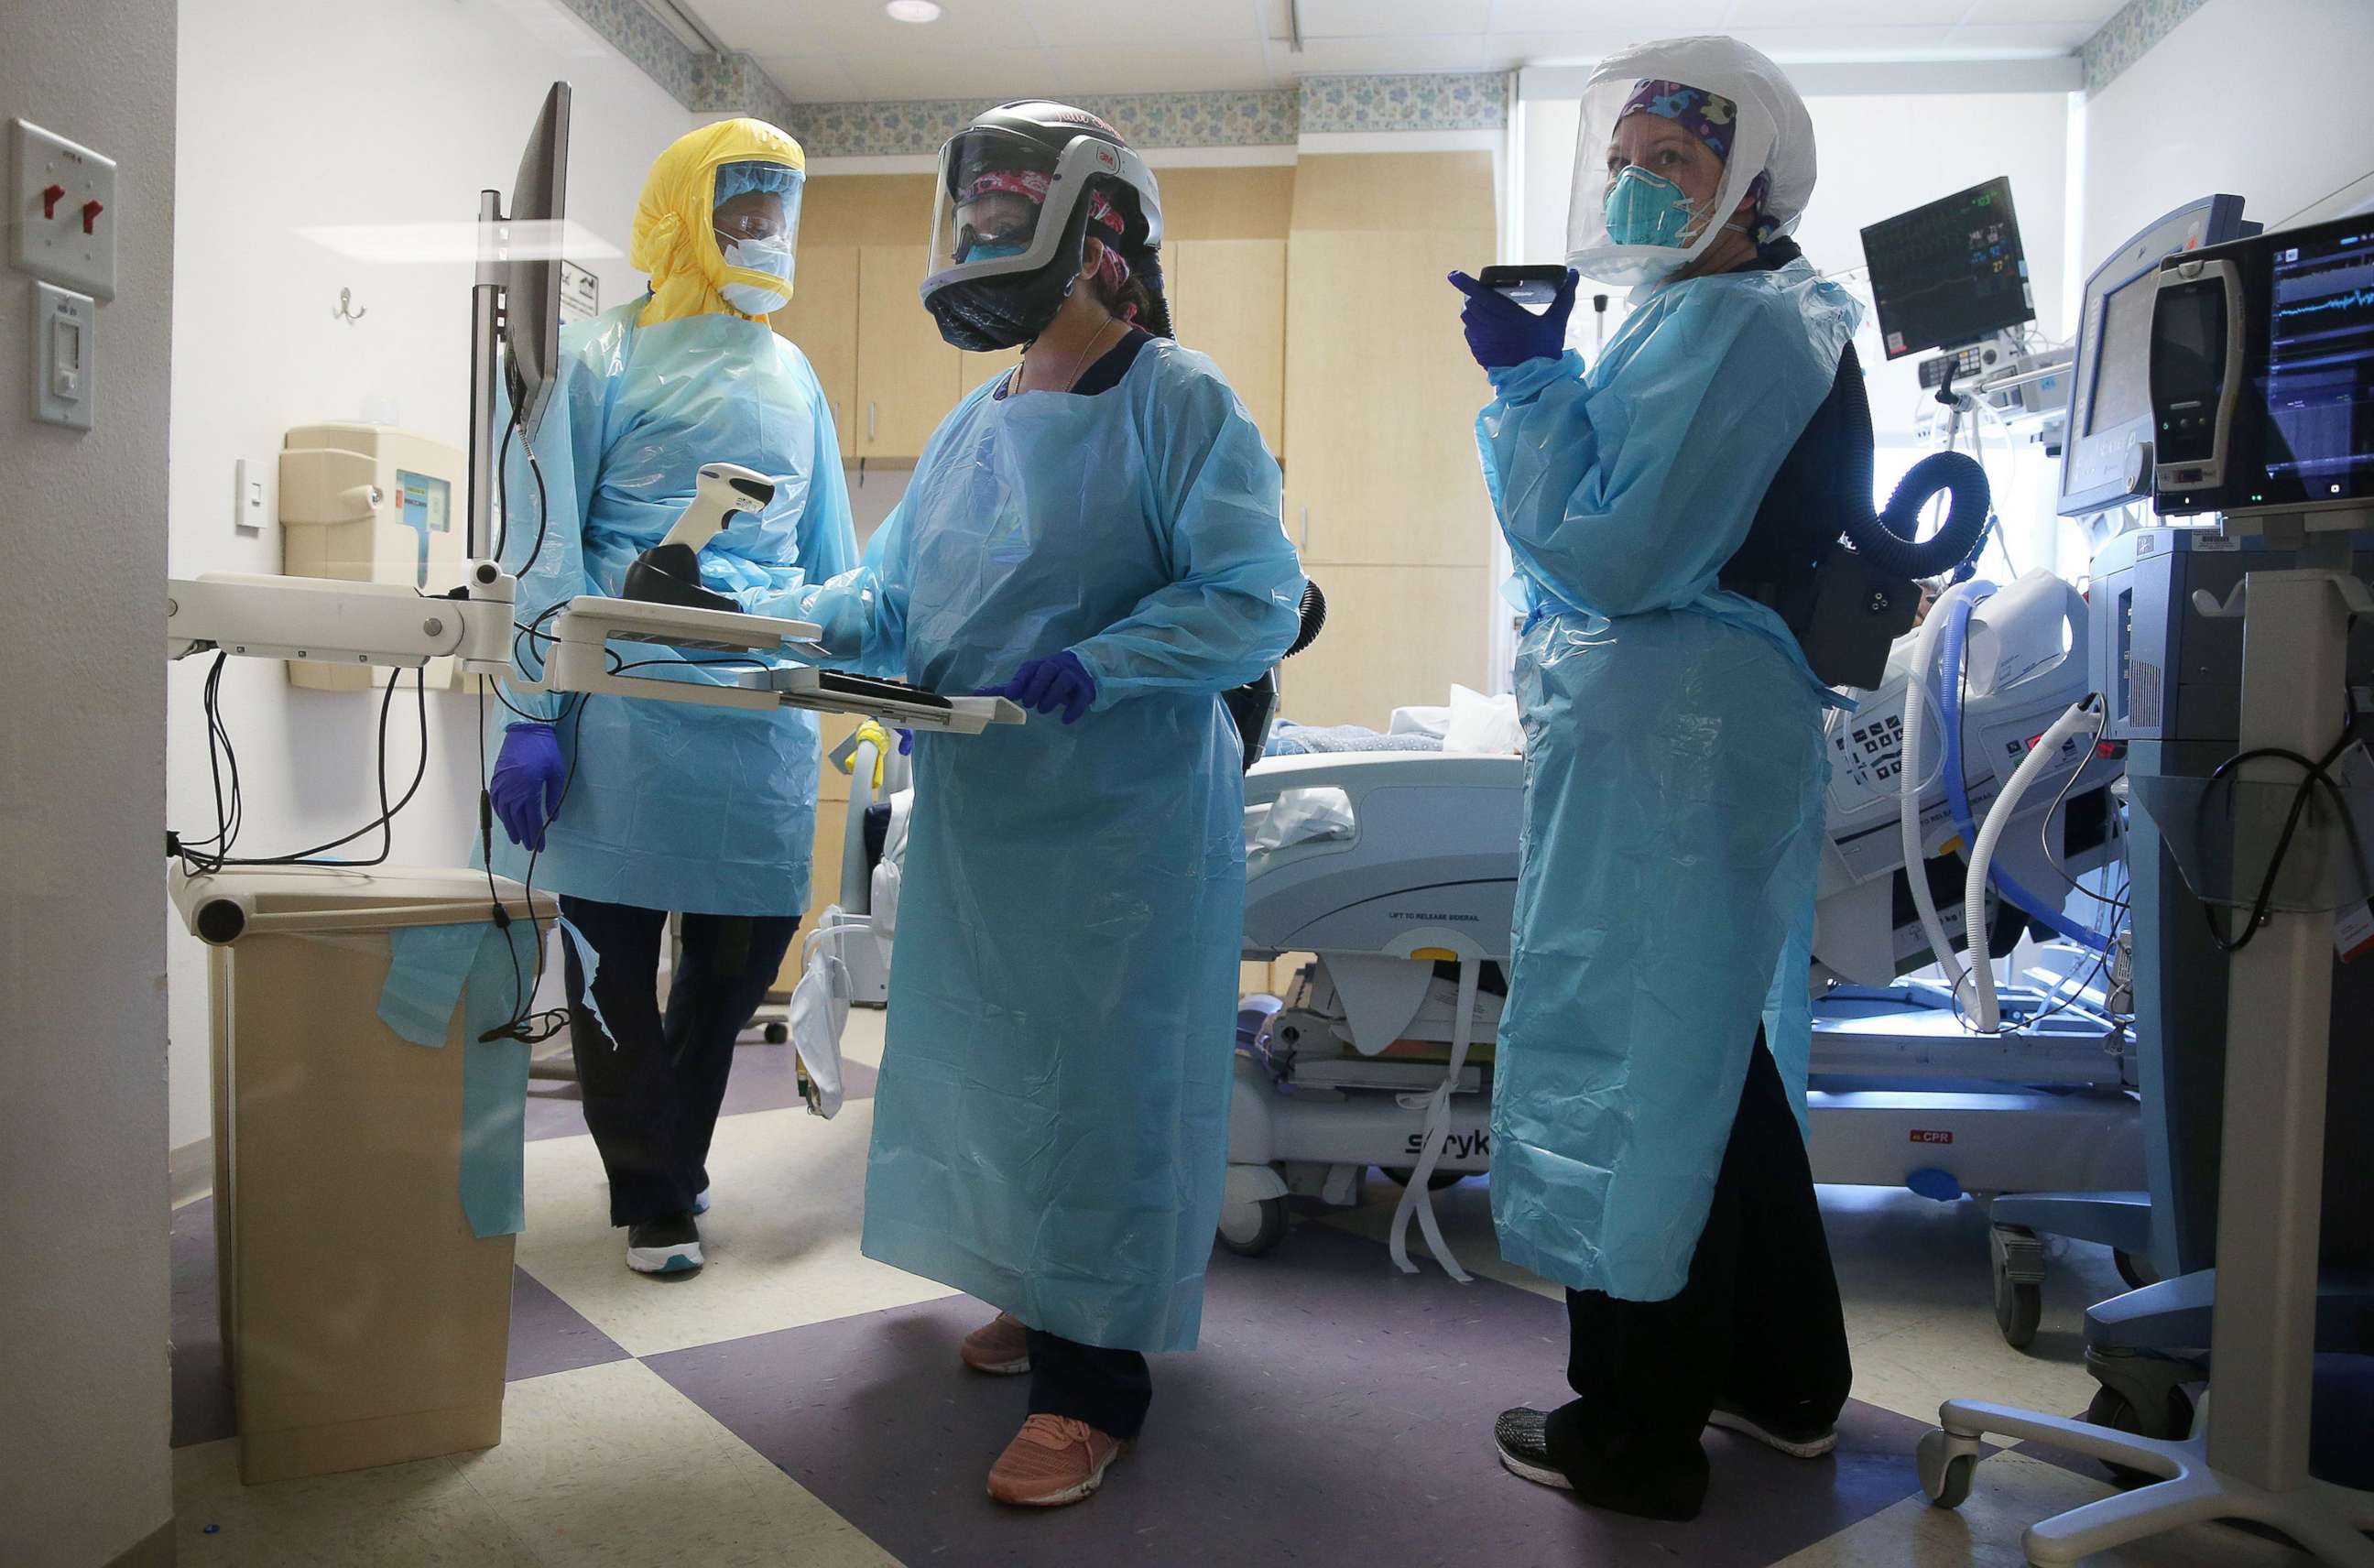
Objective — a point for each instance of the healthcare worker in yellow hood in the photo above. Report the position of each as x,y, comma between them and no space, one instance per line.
631,809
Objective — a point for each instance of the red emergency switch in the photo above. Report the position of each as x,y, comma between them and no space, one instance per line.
90,211
50,201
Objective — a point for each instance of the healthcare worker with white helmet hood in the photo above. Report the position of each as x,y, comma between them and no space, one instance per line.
1647,1103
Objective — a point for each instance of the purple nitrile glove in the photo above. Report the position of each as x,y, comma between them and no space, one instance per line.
1502,333
526,784
1048,685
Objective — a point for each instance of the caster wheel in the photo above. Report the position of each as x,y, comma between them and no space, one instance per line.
1250,1230
2113,1410
779,1034
1945,1475
2136,1271
1441,1181
2018,1309
2019,1284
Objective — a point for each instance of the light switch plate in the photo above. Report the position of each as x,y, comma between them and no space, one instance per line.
62,211
66,354
247,498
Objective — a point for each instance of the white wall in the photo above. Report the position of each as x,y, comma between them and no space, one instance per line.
84,1413
1879,155
2261,98
296,115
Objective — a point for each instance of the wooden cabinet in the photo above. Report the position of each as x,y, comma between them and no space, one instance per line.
1395,635
822,319
1382,399
906,372
1227,299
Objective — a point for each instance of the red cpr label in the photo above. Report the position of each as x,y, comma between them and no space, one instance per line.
1932,1135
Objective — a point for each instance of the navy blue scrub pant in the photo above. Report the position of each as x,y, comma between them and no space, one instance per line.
652,1082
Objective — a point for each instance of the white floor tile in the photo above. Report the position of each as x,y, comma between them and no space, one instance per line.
780,1237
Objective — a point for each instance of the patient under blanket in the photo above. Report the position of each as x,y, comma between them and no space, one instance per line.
1291,740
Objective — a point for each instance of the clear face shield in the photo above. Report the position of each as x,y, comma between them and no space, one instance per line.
1003,206
755,224
1660,169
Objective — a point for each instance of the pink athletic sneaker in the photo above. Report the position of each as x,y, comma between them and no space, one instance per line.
1000,1347
1051,1461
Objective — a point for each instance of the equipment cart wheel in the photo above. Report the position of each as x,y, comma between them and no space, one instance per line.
1946,1469
2020,1283
779,1034
1250,1230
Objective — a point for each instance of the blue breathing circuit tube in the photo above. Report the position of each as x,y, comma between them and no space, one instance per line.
1949,682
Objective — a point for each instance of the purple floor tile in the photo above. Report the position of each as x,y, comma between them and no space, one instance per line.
762,1080
202,1411
1337,1413
547,1334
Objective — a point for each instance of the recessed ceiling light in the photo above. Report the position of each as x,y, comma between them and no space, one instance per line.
916,11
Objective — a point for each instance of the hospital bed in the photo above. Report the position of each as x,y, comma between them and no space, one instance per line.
1397,873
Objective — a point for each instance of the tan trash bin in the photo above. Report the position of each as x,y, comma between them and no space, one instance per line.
363,1321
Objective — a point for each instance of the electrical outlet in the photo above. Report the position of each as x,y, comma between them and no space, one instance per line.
61,226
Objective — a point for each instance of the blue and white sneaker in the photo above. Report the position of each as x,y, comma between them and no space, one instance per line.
670,1244
700,1201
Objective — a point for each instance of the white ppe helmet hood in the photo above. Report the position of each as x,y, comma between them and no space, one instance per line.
1771,136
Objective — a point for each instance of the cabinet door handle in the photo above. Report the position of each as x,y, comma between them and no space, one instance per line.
1305,528
869,420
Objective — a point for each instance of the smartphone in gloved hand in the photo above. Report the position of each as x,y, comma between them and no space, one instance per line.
1533,287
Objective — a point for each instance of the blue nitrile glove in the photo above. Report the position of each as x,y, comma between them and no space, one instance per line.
1046,685
906,741
526,786
1502,333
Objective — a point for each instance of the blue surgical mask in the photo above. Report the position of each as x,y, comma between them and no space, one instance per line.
758,256
992,250
1642,209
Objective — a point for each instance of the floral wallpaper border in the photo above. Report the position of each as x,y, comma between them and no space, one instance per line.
733,84
1145,120
1435,100
2129,36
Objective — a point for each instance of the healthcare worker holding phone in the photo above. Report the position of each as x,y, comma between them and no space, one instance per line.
1648,1097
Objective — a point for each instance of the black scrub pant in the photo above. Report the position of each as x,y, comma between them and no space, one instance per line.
1755,1327
652,1085
1108,1389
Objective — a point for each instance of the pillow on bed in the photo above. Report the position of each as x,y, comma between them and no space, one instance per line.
1483,724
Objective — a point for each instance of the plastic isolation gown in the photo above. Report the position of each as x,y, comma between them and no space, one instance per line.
673,806
1673,770
1051,1125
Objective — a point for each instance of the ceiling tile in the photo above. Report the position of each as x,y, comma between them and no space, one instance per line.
1085,24
1847,44
1511,48
1181,68
811,78
2093,13
1373,19
1322,57
1670,19
2038,38
861,26
984,72
1846,13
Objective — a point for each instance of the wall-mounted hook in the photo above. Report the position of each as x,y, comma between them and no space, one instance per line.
346,311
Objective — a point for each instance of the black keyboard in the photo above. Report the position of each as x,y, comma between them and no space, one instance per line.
866,689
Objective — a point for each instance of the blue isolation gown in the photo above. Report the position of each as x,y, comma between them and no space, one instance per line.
1050,1127
1673,770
